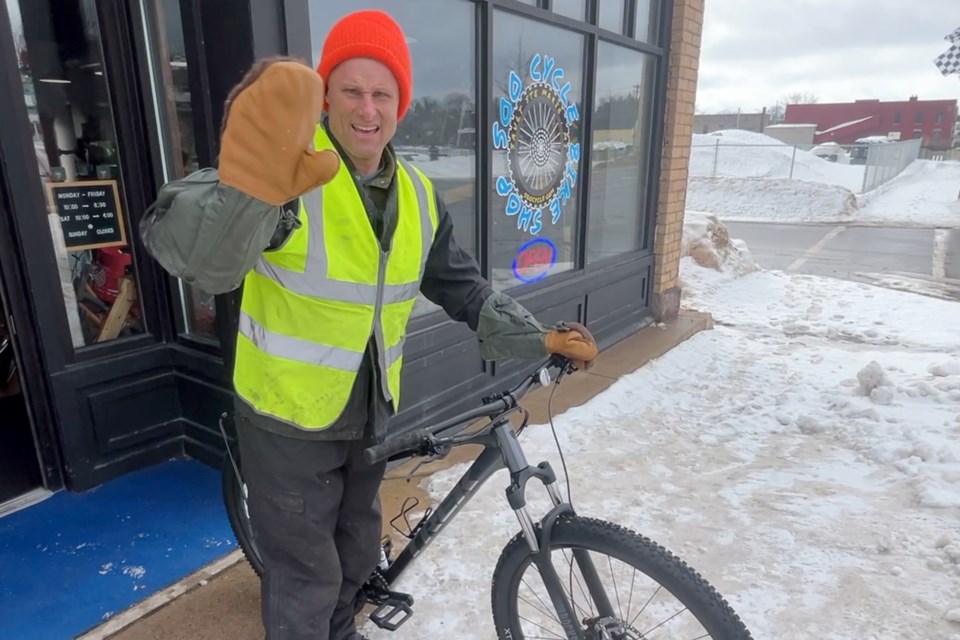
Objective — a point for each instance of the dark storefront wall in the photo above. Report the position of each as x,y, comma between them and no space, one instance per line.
143,105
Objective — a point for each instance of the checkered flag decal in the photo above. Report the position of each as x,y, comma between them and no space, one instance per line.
949,62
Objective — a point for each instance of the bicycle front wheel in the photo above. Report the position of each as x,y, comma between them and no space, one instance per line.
620,585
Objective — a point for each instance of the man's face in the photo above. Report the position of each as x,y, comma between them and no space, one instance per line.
363,98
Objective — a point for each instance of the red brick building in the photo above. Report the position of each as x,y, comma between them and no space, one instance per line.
845,123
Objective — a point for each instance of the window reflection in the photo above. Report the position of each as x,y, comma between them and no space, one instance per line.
575,9
536,131
621,134
438,134
646,23
61,67
611,15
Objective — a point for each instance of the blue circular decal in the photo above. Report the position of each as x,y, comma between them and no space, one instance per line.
534,259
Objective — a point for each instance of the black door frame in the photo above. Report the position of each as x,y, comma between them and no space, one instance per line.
14,256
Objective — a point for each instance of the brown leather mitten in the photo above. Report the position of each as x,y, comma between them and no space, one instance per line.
574,341
267,146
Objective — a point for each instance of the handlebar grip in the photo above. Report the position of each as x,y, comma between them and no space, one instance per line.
393,446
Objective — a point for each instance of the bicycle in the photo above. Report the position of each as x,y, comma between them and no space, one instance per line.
575,539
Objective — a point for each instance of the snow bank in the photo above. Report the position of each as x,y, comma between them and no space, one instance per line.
770,199
745,154
813,306
927,193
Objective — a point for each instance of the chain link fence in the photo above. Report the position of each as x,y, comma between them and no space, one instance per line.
857,167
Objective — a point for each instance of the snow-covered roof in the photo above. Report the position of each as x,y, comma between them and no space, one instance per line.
843,125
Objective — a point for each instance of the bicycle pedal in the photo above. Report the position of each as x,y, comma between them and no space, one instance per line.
393,611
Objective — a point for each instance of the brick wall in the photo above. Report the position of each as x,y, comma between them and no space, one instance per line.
683,65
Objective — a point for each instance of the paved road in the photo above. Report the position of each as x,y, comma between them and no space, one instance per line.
915,259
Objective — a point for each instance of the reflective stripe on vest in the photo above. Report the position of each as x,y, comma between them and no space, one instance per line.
311,307
314,282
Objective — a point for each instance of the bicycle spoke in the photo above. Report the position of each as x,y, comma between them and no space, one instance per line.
632,583
569,594
545,610
646,604
587,614
542,627
615,591
665,622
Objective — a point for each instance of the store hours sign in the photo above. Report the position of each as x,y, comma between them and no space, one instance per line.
89,213
534,128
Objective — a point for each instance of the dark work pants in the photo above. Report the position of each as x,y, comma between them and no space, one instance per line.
315,511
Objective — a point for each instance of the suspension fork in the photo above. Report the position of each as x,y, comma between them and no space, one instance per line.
540,544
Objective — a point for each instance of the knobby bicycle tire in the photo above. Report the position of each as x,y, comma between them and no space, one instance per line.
646,556
239,522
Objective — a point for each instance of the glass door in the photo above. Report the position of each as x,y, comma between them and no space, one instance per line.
74,133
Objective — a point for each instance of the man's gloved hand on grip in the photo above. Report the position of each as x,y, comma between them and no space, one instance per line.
267,146
573,340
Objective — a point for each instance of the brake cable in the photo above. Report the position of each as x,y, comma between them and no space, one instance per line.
556,439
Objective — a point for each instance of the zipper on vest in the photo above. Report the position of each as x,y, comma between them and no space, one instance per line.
378,327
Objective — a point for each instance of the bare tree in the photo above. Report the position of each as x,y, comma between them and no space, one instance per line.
801,98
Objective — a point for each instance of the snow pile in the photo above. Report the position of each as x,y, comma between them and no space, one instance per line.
804,306
770,199
926,193
746,154
707,242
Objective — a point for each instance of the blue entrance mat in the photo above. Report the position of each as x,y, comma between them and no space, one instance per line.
74,560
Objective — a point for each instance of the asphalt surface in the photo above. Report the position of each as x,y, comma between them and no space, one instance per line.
923,260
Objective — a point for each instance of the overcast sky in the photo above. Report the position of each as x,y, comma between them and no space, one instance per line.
756,51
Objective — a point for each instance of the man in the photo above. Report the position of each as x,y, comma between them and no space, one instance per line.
326,304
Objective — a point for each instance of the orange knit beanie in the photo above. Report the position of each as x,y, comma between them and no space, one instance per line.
370,34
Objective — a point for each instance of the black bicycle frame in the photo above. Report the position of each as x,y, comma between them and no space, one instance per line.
502,450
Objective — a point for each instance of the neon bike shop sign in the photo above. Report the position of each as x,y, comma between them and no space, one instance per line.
534,128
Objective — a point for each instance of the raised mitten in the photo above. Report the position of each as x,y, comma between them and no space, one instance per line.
267,146
574,341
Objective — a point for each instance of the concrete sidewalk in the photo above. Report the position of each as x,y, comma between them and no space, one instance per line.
223,600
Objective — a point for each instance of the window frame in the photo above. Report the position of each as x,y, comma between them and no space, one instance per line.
205,140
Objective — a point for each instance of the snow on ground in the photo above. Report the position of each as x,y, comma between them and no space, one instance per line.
804,456
926,193
746,154
770,199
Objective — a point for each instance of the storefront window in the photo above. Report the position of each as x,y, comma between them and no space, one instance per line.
536,135
171,87
65,89
621,134
645,25
611,15
575,9
438,134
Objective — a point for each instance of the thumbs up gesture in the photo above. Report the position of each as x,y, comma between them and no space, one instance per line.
266,150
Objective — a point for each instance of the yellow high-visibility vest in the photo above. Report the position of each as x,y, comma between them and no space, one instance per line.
310,307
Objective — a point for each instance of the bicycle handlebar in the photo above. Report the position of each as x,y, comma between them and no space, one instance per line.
506,401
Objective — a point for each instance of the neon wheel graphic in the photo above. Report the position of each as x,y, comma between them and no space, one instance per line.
540,138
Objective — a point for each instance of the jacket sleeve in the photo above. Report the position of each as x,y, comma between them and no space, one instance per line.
209,234
453,280
452,277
